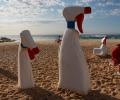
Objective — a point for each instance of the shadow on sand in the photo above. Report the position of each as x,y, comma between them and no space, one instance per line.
105,57
8,74
95,59
96,95
38,93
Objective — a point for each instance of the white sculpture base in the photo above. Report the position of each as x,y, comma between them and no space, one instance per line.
73,69
102,51
25,77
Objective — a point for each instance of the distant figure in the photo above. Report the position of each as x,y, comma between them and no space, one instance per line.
116,58
59,42
73,68
26,52
59,39
102,51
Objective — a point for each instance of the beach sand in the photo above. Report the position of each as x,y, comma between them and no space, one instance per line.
104,86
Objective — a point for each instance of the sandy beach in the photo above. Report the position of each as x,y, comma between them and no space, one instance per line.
104,86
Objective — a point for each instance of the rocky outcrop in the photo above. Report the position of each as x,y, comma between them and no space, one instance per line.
5,39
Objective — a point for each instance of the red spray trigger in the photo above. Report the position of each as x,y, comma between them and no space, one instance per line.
80,19
33,52
36,50
87,10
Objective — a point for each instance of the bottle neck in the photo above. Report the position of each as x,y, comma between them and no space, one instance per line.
71,24
23,46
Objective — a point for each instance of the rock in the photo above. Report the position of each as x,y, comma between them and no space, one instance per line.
5,39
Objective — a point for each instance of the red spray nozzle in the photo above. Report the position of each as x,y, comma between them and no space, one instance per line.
87,10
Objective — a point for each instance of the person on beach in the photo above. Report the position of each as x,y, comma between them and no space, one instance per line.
102,51
59,42
59,39
116,58
26,52
73,68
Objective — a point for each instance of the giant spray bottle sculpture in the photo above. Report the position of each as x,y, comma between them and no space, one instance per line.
73,68
102,50
26,52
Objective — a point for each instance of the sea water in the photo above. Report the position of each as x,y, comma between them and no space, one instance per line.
54,37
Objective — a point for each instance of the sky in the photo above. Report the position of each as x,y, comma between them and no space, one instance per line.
45,16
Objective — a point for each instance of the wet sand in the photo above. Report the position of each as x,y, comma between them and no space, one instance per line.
104,86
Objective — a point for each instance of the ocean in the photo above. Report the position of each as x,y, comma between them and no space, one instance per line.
54,37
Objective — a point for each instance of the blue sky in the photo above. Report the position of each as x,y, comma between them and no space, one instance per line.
45,16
